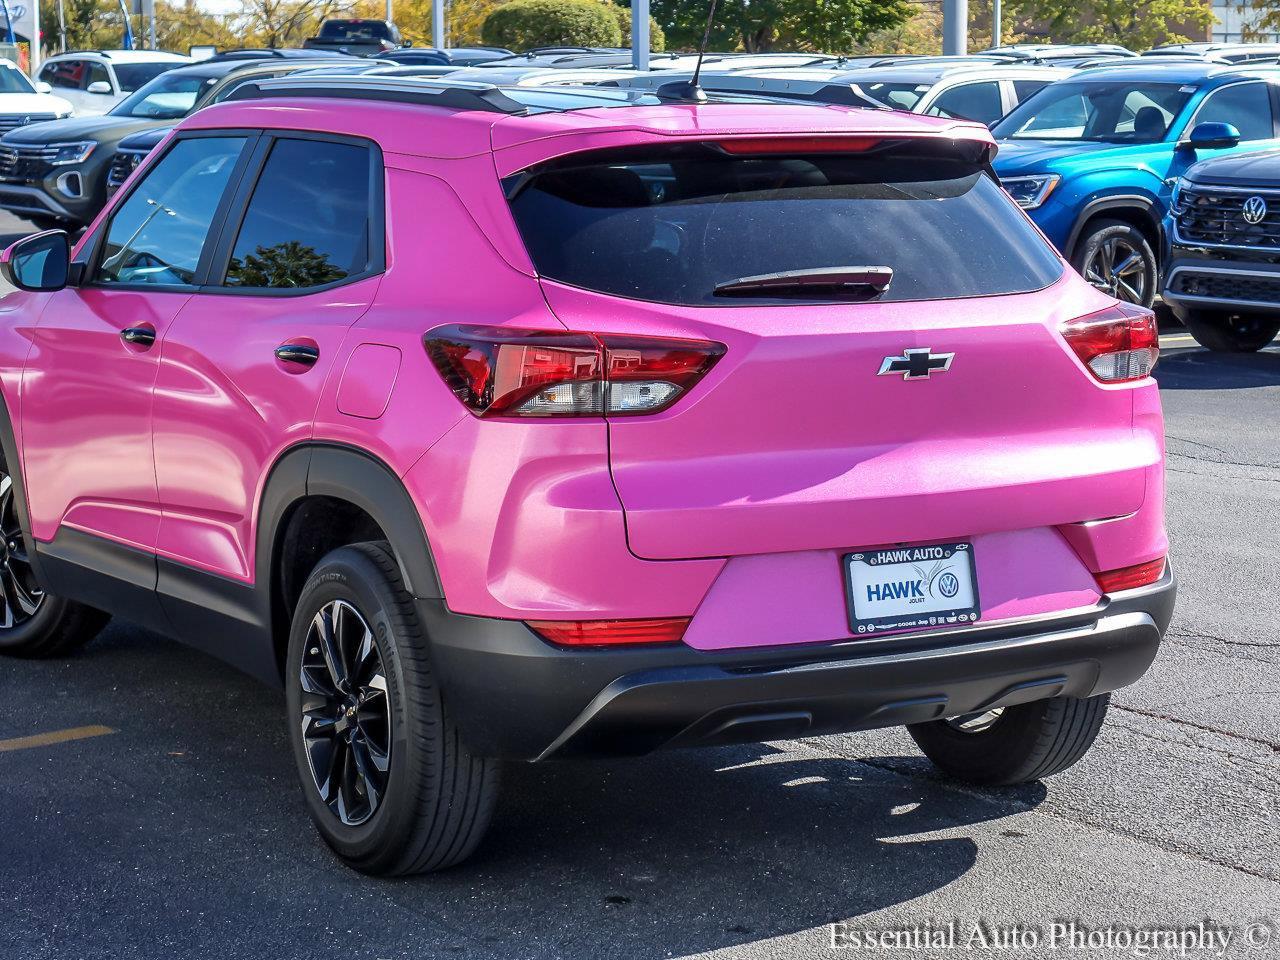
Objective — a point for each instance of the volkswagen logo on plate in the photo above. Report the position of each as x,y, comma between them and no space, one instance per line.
1254,210
948,585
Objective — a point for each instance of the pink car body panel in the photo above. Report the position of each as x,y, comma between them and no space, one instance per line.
733,507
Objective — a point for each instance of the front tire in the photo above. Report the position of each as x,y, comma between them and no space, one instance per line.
1230,332
1116,258
388,781
1016,744
34,623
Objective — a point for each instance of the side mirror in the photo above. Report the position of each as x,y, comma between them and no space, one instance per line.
42,87
1213,136
100,87
39,262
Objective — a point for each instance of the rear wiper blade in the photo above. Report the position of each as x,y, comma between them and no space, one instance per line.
821,281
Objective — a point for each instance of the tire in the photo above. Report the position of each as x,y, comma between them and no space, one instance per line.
1102,252
1231,332
34,623
1023,743
431,805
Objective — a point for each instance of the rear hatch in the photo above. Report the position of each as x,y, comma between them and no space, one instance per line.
819,428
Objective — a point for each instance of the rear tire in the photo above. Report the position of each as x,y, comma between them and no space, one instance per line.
34,623
388,781
1023,743
1116,258
1231,332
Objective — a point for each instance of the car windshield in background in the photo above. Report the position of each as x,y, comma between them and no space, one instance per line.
353,31
900,96
686,225
1108,112
14,81
169,96
132,76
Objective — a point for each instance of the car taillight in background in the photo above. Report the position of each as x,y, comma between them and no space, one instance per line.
1118,344
502,372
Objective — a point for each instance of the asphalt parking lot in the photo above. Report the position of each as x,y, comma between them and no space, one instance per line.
167,822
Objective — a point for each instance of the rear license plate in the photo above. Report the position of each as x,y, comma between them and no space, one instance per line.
906,588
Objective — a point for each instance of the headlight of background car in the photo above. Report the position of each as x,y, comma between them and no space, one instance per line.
1030,192
71,152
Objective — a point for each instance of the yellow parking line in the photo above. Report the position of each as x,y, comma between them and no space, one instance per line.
54,737
1176,339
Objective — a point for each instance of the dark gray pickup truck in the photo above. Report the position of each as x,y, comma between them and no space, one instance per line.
360,38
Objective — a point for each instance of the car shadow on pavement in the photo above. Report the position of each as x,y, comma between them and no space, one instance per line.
195,800
1203,370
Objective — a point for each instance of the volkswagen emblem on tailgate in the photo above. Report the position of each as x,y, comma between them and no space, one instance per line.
917,364
1255,210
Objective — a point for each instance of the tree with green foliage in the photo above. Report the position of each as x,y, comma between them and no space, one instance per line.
657,39
1137,24
524,24
833,26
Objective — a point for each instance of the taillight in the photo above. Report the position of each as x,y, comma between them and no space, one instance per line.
1117,344
1129,578
502,372
610,633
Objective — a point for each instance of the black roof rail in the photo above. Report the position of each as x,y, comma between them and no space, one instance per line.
455,95
63,53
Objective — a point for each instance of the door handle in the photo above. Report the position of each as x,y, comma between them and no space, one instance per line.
139,336
297,353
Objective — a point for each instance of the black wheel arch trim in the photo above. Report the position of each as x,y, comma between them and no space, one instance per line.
1137,201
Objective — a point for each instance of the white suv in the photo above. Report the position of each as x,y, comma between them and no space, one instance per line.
96,80
22,102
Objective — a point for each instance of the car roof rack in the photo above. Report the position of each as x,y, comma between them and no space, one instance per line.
456,95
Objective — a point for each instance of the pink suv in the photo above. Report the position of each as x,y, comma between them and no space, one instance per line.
519,424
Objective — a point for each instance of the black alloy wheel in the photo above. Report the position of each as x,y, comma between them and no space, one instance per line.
22,596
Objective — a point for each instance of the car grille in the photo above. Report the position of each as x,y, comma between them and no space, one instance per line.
123,164
1248,288
13,121
25,164
1216,217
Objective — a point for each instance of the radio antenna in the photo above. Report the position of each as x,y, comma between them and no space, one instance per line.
692,90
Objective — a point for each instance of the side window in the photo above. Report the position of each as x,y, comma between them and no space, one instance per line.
1246,106
1022,89
158,234
96,73
972,101
66,74
308,221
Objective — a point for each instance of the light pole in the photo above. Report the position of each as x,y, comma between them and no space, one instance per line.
995,23
437,25
955,27
640,34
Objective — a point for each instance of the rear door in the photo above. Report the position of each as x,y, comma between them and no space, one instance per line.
244,362
816,430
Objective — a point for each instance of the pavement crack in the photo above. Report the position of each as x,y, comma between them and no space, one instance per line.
1195,635
1154,715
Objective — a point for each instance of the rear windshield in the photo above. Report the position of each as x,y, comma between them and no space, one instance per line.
673,224
355,30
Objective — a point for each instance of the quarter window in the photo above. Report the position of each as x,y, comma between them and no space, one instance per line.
66,74
308,221
1246,106
970,101
158,234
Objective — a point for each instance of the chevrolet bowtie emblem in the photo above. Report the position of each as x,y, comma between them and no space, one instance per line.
917,364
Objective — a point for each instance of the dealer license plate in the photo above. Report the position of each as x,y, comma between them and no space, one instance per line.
905,588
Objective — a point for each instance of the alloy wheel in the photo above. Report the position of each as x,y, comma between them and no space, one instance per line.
346,713
22,595
1119,268
976,722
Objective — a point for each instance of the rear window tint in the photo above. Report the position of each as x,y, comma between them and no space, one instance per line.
671,224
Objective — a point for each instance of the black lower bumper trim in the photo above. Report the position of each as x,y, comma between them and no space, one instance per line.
516,696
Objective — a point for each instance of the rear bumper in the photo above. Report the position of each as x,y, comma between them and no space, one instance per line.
516,696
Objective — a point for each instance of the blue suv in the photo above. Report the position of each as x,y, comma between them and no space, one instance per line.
1093,159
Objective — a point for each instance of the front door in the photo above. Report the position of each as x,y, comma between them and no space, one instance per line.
87,387
244,362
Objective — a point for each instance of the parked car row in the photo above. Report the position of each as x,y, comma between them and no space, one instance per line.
1093,139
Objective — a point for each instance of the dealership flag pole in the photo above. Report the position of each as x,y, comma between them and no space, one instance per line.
640,34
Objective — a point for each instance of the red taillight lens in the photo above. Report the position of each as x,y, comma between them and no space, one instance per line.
610,633
742,146
1127,578
1118,344
501,372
